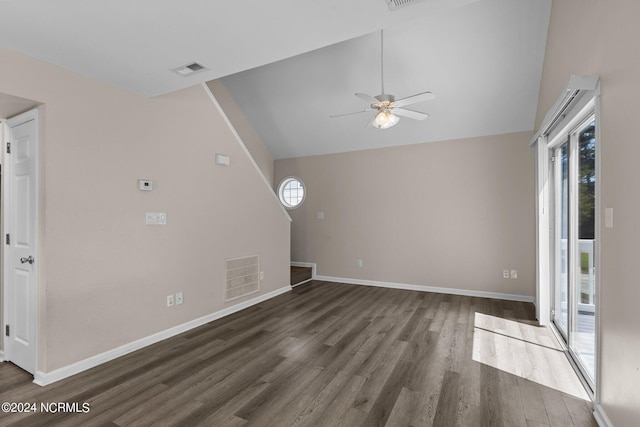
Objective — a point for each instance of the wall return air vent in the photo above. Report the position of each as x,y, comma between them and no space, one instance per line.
243,277
396,4
189,69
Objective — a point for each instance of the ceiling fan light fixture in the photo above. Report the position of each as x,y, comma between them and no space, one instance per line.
385,119
386,104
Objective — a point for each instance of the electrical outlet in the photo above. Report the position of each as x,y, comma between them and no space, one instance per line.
262,275
360,263
505,274
514,274
169,300
179,298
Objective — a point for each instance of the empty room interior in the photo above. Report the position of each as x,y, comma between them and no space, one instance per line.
356,213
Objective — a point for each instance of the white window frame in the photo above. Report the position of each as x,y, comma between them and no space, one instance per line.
281,188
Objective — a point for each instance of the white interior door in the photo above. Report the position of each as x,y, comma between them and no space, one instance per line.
21,281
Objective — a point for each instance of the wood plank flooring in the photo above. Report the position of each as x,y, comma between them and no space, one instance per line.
330,354
300,274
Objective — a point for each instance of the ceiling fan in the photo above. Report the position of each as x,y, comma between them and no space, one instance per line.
388,108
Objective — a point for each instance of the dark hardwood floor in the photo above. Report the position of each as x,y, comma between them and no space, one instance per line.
331,354
300,274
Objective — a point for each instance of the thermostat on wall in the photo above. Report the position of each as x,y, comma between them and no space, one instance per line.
145,185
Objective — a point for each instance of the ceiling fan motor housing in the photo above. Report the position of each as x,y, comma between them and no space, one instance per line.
385,98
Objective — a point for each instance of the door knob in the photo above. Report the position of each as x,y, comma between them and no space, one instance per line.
28,259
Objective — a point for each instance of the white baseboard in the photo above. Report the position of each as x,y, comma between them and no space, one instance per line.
439,290
302,283
306,264
46,378
601,416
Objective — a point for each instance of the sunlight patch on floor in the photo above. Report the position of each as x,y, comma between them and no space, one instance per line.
528,351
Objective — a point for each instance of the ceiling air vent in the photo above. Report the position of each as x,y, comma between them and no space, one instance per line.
189,69
396,4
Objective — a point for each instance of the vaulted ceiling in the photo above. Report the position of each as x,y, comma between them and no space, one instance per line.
290,64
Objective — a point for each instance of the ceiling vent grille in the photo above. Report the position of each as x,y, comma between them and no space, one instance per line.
189,69
396,4
243,277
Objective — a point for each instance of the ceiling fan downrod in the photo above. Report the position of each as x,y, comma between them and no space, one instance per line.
382,61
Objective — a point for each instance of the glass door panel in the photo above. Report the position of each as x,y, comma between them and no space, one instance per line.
583,306
561,306
574,243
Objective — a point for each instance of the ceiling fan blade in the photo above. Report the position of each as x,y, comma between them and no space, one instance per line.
414,99
333,116
367,98
416,115
371,122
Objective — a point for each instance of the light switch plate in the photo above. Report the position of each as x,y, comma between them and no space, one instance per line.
608,217
223,160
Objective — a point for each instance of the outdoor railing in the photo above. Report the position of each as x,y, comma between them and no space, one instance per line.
587,273
586,300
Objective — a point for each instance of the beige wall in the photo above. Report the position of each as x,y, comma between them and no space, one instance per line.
600,37
449,214
240,123
105,275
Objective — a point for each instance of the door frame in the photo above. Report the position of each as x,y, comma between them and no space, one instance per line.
555,250
577,125
8,191
588,106
581,92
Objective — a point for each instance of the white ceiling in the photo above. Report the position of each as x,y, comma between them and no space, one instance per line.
134,43
483,61
482,58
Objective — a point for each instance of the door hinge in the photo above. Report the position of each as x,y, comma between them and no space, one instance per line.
7,239
8,148
6,330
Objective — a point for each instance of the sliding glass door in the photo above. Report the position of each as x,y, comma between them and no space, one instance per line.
584,298
573,170
560,159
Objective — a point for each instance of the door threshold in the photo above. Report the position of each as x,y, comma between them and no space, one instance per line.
565,349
